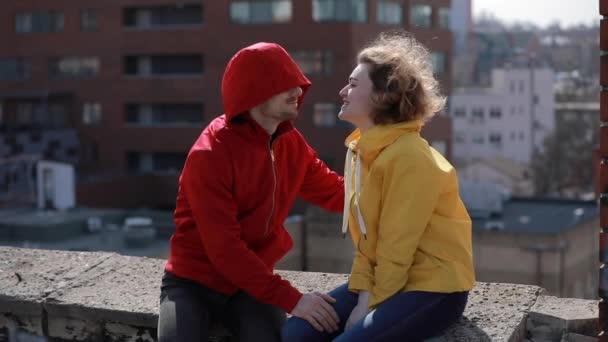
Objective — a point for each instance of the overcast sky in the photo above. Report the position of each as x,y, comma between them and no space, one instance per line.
541,12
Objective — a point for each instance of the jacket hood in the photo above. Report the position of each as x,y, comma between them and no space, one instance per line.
257,73
373,141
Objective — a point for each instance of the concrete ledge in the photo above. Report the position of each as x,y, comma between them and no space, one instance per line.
555,319
495,312
79,296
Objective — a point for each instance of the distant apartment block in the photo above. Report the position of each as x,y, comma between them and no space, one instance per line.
510,119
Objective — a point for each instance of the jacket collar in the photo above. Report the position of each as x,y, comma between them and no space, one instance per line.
373,141
247,126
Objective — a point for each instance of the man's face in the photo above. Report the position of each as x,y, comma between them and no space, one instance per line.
283,106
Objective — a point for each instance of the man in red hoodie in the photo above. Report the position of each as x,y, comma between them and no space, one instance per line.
239,181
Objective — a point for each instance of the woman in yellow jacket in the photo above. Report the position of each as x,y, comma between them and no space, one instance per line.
413,264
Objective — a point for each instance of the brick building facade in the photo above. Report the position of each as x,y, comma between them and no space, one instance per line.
137,80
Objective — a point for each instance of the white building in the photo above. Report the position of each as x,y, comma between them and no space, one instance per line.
497,121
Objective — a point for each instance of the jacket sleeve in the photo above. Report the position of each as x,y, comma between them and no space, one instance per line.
410,192
322,186
208,183
362,274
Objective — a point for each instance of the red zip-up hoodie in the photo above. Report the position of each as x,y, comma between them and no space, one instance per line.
238,185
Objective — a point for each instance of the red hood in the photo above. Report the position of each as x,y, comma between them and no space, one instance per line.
257,73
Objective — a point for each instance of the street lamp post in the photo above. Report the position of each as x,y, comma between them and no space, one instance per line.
603,186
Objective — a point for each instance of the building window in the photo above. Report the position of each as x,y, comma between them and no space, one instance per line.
521,86
89,20
438,61
38,114
73,67
478,139
459,112
261,12
39,21
168,162
389,12
325,114
521,136
512,87
156,162
420,16
24,114
513,136
160,16
444,18
91,113
496,139
165,114
477,114
460,137
14,69
315,62
164,65
139,162
495,112
339,10
569,116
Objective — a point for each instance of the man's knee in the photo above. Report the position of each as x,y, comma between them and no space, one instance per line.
251,320
182,317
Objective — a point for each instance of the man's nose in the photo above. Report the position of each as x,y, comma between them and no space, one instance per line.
297,91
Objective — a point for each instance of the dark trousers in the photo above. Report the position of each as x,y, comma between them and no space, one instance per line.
406,316
188,310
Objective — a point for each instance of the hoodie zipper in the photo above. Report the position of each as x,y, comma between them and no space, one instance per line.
274,189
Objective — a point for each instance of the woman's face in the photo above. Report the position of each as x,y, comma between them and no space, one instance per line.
356,96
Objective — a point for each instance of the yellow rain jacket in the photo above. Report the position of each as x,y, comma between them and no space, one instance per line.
413,232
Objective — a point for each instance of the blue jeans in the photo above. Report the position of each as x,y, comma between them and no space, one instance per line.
406,316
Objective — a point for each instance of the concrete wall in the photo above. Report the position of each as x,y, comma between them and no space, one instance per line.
73,296
501,257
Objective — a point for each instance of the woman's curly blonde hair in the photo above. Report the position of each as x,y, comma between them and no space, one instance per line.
404,88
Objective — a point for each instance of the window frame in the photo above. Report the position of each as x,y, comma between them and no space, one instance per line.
337,7
381,13
429,18
250,19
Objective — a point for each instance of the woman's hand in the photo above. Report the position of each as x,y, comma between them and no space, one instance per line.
356,315
360,310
